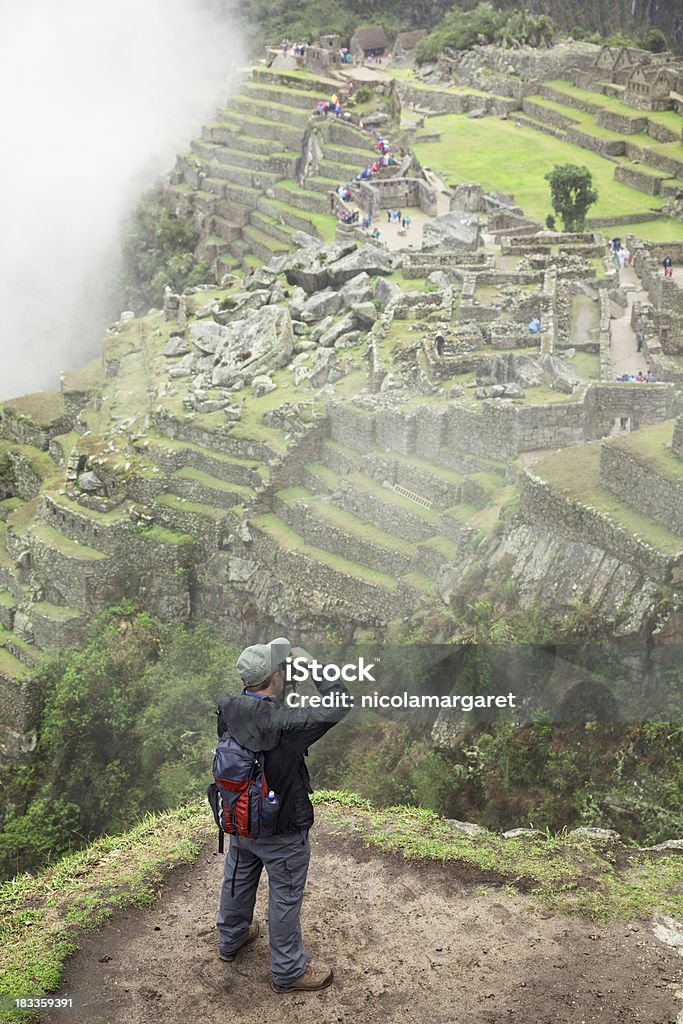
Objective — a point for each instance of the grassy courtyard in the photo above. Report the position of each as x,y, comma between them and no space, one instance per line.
505,157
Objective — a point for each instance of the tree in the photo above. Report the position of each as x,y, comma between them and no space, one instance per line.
571,194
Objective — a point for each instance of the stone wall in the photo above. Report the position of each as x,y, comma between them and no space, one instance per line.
548,115
53,628
549,426
677,442
636,178
473,67
652,158
432,101
395,431
336,593
642,487
397,193
605,147
420,479
639,405
101,533
352,426
490,433
544,507
19,714
392,517
16,426
26,480
322,534
621,123
220,439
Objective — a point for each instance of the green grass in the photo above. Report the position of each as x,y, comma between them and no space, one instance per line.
669,118
55,612
291,541
325,225
665,230
574,472
425,585
348,523
443,546
41,407
172,501
57,541
11,668
587,364
389,497
566,874
42,917
189,473
161,535
651,447
470,149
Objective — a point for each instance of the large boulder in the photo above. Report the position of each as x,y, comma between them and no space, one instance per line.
258,345
453,230
357,289
320,305
309,267
386,291
370,259
365,313
340,327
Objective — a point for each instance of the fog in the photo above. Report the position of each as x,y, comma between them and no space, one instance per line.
97,100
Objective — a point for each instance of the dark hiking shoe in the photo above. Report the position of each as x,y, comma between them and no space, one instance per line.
312,980
251,935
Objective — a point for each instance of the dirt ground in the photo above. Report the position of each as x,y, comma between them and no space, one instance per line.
408,942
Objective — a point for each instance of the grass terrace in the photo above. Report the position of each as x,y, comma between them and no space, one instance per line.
667,118
651,446
574,472
470,151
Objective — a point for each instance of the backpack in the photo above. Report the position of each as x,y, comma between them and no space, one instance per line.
240,798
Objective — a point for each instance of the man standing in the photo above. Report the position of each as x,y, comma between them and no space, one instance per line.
260,721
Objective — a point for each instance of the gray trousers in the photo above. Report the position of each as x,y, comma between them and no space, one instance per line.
285,859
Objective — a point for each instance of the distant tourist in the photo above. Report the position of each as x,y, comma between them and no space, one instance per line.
534,326
626,254
668,267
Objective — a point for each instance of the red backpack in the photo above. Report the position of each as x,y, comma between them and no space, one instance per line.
241,800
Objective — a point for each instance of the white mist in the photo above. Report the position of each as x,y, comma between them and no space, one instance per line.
97,99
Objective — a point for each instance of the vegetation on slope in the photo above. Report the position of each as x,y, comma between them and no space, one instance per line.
462,25
126,728
158,251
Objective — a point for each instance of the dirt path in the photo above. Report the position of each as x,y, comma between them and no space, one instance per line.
408,943
625,357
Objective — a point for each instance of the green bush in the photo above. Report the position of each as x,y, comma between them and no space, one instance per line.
158,251
128,727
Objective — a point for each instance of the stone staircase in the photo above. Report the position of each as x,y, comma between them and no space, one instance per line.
241,178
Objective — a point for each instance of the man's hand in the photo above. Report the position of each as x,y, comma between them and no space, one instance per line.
299,652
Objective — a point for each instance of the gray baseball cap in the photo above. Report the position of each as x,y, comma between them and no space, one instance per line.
256,663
